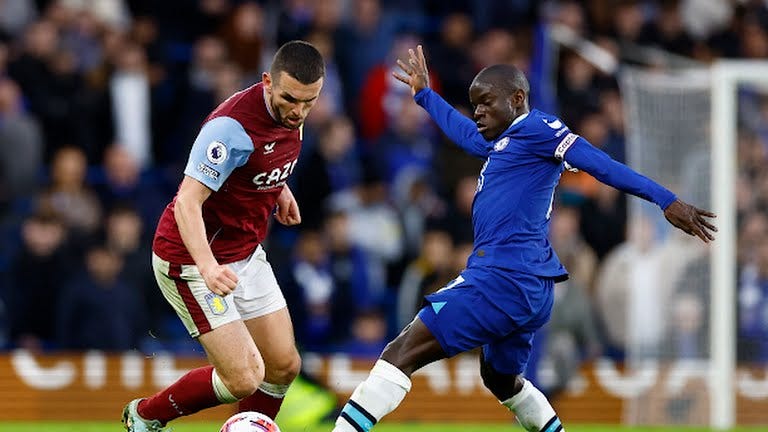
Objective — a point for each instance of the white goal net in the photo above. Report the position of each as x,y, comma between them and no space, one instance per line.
697,316
667,285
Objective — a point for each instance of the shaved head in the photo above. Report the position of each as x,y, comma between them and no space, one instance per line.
499,95
506,78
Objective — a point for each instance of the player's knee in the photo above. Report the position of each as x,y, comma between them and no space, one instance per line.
487,374
245,380
503,386
286,370
393,355
247,384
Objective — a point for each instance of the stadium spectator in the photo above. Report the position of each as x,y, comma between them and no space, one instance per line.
37,275
374,226
426,274
243,34
97,309
574,252
124,230
334,166
48,78
15,17
451,56
419,206
405,144
688,329
459,216
121,182
21,142
667,31
369,335
69,196
362,42
350,272
332,86
612,110
753,303
199,94
604,220
572,335
382,101
314,301
129,91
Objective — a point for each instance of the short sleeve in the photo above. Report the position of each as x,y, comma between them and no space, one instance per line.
221,146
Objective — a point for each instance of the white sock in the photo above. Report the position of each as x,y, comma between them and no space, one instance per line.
222,392
277,391
533,411
374,398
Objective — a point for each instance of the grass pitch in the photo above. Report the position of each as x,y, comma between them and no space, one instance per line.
391,427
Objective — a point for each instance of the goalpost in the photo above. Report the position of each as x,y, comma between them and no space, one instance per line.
727,76
682,130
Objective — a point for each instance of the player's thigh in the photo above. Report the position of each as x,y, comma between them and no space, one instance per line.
261,305
233,353
273,335
414,348
462,316
198,308
510,354
258,293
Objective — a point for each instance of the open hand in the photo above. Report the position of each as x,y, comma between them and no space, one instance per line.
691,220
417,75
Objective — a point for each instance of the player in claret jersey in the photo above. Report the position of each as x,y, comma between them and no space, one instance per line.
207,256
505,294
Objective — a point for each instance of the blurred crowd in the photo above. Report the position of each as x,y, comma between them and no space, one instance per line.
100,101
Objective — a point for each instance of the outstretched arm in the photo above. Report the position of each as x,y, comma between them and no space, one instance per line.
684,216
455,125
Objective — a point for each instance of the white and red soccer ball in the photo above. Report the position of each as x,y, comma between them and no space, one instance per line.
249,421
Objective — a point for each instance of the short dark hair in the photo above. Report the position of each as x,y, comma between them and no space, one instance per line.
299,59
506,77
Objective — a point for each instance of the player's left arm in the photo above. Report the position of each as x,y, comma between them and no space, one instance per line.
287,210
579,153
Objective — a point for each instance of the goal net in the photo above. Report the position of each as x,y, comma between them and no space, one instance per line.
692,308
667,286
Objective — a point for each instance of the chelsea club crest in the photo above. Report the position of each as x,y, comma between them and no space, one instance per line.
501,144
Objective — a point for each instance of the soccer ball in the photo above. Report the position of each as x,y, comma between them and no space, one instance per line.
249,421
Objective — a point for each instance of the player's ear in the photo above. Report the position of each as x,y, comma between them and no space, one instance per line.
266,78
518,98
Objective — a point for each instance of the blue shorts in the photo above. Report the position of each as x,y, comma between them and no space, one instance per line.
493,308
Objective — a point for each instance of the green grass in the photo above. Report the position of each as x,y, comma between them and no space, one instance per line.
391,427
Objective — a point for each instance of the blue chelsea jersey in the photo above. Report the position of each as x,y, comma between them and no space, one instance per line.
515,193
516,187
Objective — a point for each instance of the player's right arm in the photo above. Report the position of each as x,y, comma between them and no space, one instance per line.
188,212
221,146
455,125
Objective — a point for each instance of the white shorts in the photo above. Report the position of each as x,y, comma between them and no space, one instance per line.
257,293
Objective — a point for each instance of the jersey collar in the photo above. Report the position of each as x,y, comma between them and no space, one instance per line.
514,122
519,119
